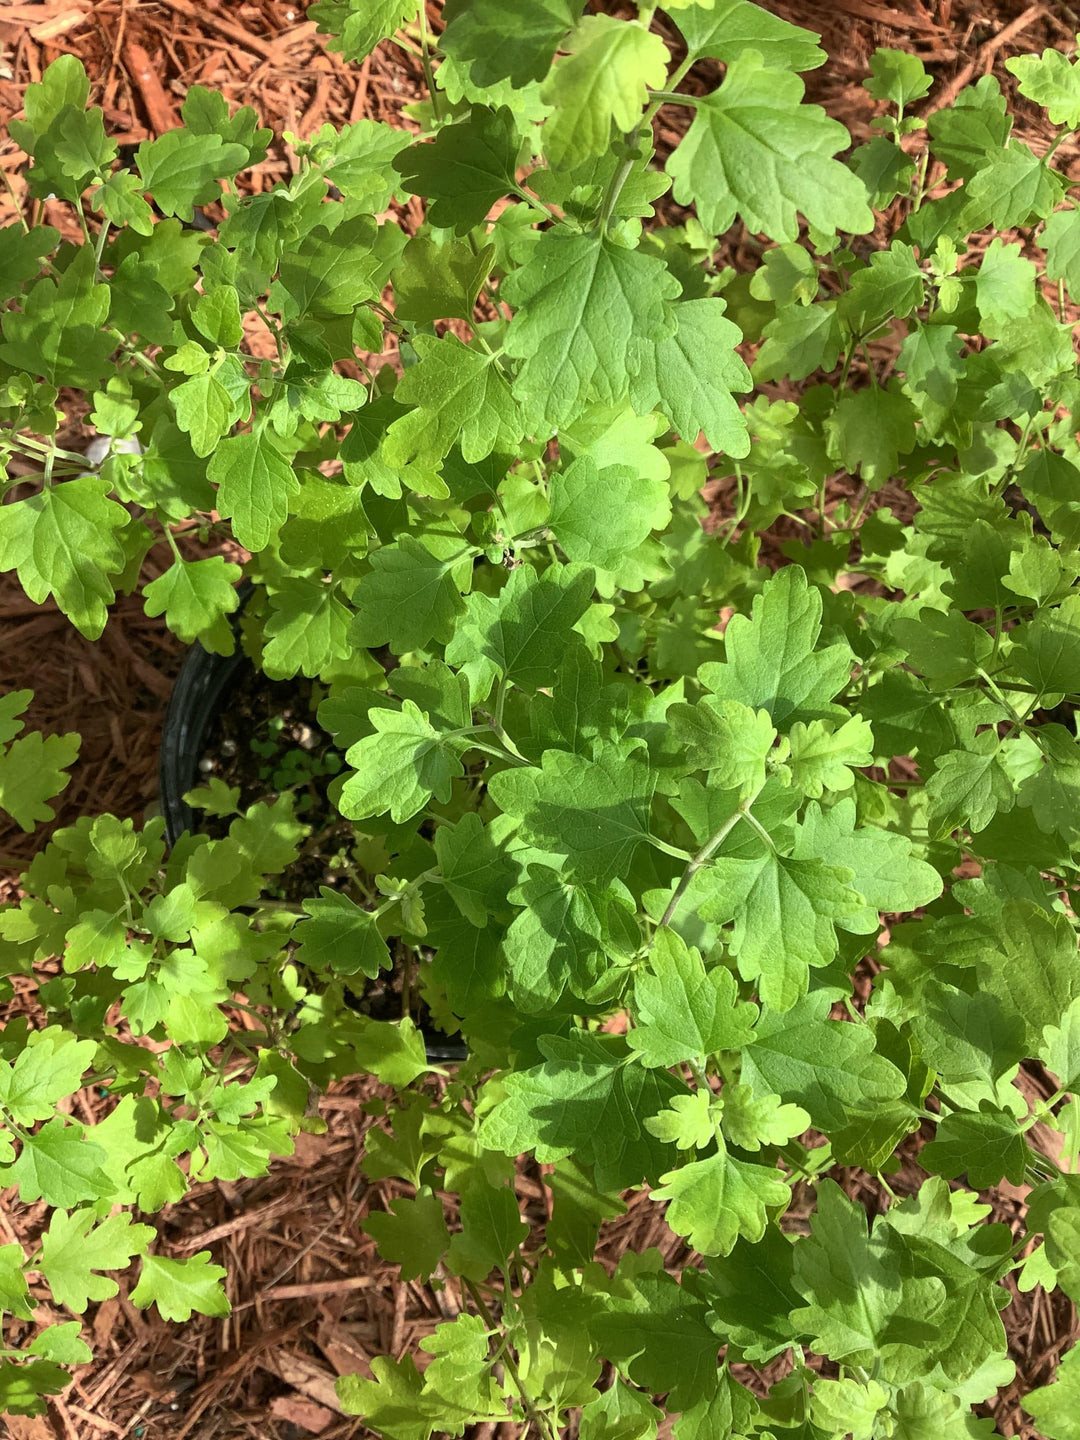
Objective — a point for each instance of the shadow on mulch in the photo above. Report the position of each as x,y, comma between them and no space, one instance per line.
310,1297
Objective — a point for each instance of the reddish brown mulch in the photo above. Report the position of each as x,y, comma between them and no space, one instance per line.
311,1298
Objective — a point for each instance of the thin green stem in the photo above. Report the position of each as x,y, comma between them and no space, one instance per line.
406,44
756,824
704,855
1021,450
425,60
539,1418
132,353
857,517
15,200
99,247
537,204
499,754
1060,137
669,97
618,180
1014,716
920,191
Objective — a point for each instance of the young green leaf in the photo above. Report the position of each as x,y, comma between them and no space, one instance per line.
465,169
603,79
755,150
685,1012
584,305
714,1201
179,1287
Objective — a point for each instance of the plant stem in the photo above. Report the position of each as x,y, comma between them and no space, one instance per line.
15,200
669,97
704,855
99,247
425,60
618,180
541,1420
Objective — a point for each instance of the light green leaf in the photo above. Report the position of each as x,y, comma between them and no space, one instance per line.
48,1069
57,333
307,629
785,911
474,869
392,1402
182,169
586,1101
691,376
32,771
1005,284
1061,241
513,40
829,1067
685,1012
465,169
868,432
57,1165
400,767
63,543
14,1291
595,812
411,595
357,26
179,1287
1056,1407
714,1201
602,80
584,306
195,596
969,787
987,1147
689,1122
772,663
1052,82
897,76
435,281
882,868
566,936
462,397
255,481
413,1234
599,516
726,738
340,936
751,1122
1047,652
726,29
755,150
1012,189
524,632
73,1248
822,754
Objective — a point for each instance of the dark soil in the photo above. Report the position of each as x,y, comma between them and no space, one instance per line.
265,741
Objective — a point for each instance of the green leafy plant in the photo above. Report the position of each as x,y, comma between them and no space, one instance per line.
715,912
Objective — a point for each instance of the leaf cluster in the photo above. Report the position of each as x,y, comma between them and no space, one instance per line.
718,908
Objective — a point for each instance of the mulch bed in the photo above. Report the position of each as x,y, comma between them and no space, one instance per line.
311,1299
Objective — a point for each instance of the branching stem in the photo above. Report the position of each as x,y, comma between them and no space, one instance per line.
705,854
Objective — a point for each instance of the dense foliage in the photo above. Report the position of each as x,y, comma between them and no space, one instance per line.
647,868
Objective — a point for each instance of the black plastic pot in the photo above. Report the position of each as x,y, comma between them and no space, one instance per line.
202,688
